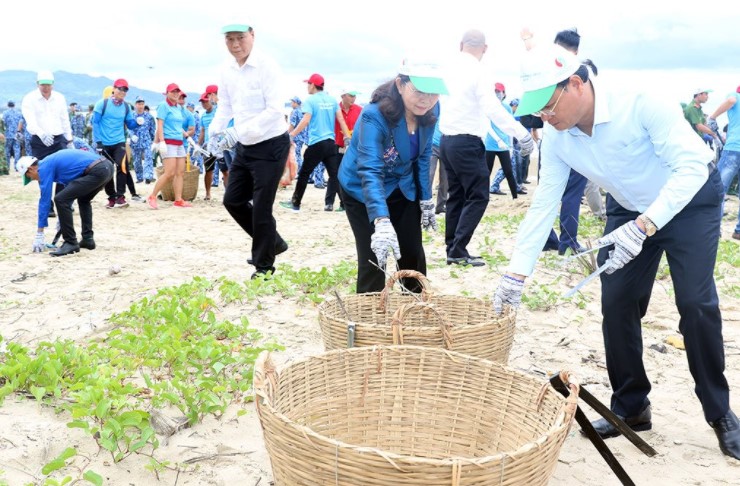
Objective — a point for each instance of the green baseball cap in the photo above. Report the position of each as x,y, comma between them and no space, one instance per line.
542,69
425,76
235,28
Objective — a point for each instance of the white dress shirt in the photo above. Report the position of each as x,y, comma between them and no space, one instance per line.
641,151
46,116
472,100
251,95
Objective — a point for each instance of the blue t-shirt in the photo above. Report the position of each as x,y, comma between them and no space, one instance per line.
205,121
323,109
437,135
733,129
491,144
174,119
108,127
187,122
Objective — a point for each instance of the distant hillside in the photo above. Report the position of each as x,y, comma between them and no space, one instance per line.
80,88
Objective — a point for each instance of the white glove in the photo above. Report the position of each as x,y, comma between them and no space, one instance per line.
508,292
228,139
213,148
38,243
190,140
383,239
140,120
71,144
526,145
428,219
47,139
134,138
162,148
154,148
627,241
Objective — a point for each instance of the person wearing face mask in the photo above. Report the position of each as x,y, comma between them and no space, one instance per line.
384,176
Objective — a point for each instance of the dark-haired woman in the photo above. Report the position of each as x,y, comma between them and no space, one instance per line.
384,174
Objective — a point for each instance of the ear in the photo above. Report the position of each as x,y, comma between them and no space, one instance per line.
576,83
398,84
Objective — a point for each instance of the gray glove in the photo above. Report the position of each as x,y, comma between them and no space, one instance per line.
47,139
19,136
38,243
526,145
384,239
627,241
139,120
428,219
227,139
134,138
508,292
712,124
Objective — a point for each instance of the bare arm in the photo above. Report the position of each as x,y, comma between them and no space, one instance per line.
302,124
724,106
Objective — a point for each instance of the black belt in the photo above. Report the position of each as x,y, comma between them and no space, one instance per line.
93,164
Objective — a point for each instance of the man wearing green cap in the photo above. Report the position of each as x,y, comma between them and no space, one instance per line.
250,93
664,197
695,116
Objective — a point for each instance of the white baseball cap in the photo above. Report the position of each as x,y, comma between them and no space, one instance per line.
45,77
426,76
542,69
23,164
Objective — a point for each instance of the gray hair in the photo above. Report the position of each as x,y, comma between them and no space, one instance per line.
474,38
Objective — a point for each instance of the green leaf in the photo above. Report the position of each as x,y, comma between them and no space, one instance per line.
52,466
67,453
93,477
38,392
78,424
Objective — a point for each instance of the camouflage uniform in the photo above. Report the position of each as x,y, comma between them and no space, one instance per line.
26,138
11,117
77,122
141,150
195,157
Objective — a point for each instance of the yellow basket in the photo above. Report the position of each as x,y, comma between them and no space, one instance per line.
392,415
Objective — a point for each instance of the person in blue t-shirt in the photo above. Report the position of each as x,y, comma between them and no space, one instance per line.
83,175
209,163
320,112
110,118
171,120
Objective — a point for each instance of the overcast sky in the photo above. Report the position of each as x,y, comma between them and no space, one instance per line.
360,44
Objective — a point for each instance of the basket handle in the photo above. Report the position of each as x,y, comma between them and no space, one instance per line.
398,320
423,280
265,379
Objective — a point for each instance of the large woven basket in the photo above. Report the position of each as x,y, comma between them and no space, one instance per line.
409,415
464,324
189,185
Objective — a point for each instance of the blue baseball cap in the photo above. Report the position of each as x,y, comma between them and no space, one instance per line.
296,99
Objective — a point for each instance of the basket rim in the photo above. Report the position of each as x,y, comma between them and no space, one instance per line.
561,422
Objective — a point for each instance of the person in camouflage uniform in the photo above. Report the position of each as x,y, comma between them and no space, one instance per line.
26,138
141,142
11,119
76,121
88,124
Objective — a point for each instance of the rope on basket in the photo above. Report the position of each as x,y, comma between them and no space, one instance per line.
405,309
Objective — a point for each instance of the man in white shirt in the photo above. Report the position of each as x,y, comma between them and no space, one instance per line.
249,92
664,197
463,126
47,120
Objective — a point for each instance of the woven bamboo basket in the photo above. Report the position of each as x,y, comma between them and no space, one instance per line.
464,324
189,185
409,415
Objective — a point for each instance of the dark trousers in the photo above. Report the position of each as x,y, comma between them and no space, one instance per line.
116,187
690,242
83,189
504,158
332,187
323,151
40,151
570,209
253,181
405,216
467,181
441,206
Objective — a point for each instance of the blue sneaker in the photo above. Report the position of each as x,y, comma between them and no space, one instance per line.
289,205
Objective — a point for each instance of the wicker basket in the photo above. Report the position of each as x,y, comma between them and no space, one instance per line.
189,185
392,415
464,324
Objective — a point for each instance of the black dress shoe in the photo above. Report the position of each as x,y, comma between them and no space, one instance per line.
465,261
550,246
66,249
265,273
87,243
280,247
521,191
638,423
727,429
575,249
498,193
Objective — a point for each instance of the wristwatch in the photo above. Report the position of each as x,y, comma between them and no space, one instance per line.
650,227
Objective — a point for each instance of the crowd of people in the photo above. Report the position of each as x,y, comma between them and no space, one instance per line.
659,175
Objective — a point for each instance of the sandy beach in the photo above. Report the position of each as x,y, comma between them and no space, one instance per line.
45,299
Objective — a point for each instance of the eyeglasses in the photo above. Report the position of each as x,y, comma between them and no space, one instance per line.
421,94
122,88
551,111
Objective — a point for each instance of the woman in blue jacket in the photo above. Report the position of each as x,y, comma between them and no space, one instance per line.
384,175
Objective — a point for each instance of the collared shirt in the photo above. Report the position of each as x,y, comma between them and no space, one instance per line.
46,116
641,151
350,118
472,100
251,94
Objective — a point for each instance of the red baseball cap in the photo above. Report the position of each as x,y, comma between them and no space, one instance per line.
120,83
183,94
316,79
211,88
204,97
172,87
500,87
738,89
